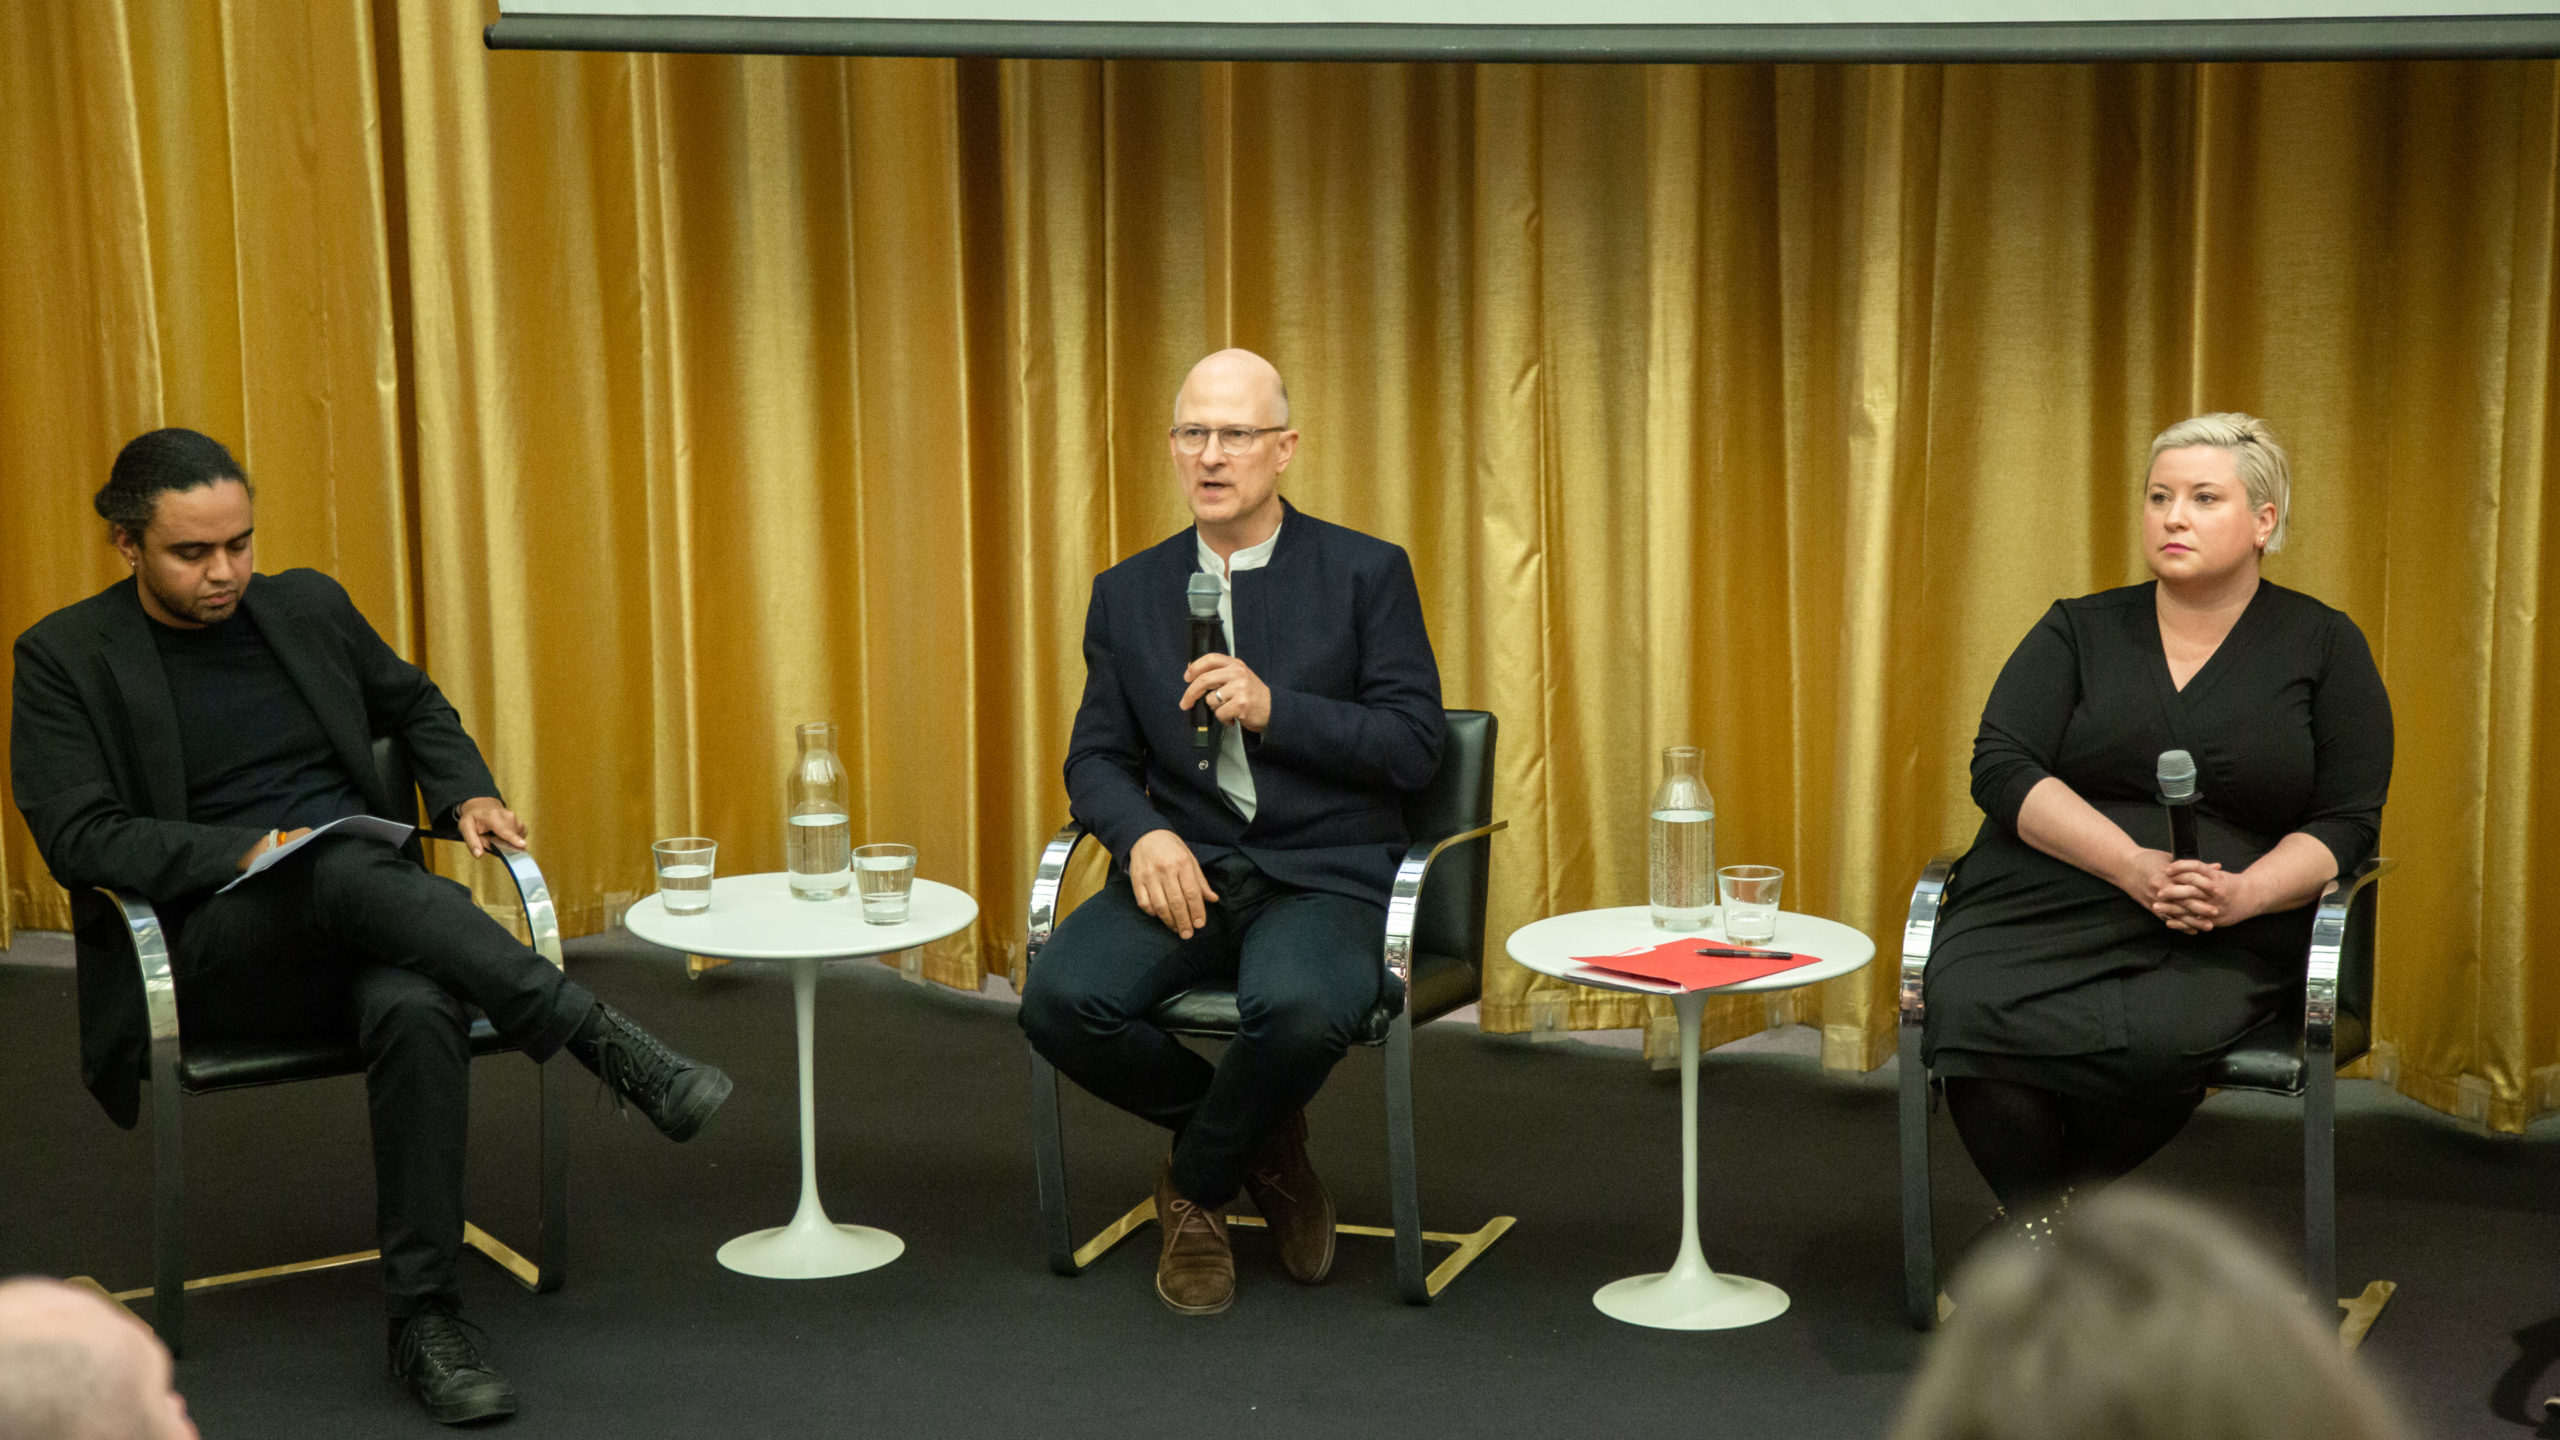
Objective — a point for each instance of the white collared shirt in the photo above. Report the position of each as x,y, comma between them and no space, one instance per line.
1235,777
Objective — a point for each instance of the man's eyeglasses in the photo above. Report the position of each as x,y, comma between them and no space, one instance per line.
1232,439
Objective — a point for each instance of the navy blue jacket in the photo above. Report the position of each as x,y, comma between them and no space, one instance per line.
1333,624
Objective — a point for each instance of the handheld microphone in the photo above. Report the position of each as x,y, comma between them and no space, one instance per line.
1206,639
2177,774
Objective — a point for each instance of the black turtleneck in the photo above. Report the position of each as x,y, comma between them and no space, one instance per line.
255,752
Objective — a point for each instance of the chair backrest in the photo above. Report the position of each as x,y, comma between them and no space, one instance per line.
1460,797
2355,971
391,761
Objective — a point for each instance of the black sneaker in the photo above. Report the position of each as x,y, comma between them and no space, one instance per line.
677,1094
433,1351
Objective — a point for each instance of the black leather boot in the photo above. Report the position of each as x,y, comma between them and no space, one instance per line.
2042,1227
677,1094
433,1351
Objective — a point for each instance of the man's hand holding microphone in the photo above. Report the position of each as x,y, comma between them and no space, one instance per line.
1163,872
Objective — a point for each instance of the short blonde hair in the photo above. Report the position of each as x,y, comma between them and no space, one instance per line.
2265,471
2146,1318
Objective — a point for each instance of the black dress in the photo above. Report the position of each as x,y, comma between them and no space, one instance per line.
2048,975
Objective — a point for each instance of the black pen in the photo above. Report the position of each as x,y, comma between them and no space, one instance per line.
1723,954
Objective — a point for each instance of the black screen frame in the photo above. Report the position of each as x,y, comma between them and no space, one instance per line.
2401,37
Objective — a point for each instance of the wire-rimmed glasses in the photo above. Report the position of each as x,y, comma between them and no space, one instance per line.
1232,439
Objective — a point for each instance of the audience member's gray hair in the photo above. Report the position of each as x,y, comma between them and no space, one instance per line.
2265,471
65,1390
74,1365
2148,1318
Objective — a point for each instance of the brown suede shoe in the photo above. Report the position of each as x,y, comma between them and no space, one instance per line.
1300,1210
1196,1272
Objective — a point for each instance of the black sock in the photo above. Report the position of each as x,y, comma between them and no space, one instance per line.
583,1041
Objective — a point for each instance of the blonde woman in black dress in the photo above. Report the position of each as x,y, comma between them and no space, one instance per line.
2084,982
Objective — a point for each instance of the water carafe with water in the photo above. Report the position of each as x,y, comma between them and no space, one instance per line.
819,850
1683,841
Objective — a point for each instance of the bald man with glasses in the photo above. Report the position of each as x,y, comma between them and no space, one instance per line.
1262,862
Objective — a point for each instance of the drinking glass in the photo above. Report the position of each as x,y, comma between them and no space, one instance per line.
1749,894
684,873
886,876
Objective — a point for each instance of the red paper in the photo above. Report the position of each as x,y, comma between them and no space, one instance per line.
1677,962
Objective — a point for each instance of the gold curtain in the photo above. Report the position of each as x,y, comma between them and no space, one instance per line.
658,403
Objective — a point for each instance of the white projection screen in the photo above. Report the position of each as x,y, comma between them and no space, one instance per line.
1549,30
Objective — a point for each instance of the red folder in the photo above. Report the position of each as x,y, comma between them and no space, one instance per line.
1678,963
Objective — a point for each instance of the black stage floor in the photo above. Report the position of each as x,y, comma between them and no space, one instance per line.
922,1128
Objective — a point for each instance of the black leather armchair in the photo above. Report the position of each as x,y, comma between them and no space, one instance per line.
182,1068
1433,953
2298,1053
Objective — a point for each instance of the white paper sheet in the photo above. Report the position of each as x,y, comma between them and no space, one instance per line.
372,826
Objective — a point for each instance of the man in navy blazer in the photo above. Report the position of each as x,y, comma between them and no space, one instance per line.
1263,862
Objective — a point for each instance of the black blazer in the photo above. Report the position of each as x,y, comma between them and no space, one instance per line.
1334,626
95,762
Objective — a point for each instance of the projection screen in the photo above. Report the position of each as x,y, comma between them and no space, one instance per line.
1548,30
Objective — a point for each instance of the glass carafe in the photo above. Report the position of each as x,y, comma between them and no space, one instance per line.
819,842
1683,841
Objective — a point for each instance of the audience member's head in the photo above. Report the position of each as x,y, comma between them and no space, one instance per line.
75,1365
2147,1318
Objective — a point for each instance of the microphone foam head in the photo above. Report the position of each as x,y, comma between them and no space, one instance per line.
2177,775
1203,595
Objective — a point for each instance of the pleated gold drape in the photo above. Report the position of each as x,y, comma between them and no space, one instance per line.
656,404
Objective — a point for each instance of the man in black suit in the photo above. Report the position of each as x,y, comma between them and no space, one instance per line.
1264,862
172,728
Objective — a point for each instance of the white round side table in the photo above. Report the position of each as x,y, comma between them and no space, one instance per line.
1690,1295
756,917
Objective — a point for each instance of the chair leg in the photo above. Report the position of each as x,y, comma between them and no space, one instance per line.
1403,1184
556,1094
2320,1181
1049,1158
1919,1239
168,1212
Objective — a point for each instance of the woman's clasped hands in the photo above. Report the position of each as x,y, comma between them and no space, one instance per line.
2193,896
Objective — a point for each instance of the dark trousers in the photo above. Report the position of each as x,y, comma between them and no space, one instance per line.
1306,968
349,936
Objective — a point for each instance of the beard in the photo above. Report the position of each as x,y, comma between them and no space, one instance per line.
192,607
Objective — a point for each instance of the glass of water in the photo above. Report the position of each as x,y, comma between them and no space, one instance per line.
684,873
886,877
1749,894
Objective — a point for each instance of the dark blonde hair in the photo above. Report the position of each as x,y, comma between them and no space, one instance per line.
2266,472
2147,1318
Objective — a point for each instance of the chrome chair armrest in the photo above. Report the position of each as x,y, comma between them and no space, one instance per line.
1404,900
2329,932
1920,932
151,954
541,917
1045,884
